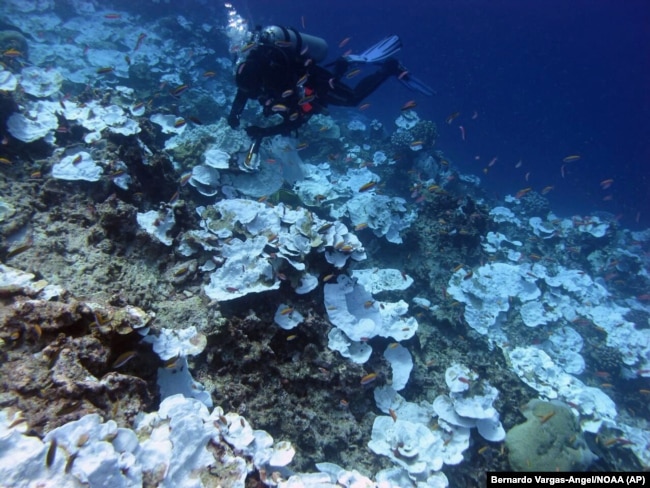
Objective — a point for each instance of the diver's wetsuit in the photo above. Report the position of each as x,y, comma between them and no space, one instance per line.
296,88
342,94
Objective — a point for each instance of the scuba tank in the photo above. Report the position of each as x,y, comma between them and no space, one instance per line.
288,37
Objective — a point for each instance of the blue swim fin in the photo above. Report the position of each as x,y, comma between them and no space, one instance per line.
379,52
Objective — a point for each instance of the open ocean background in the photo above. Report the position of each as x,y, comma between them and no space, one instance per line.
547,79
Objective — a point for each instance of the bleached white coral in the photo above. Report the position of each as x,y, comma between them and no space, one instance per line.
407,120
216,158
376,280
401,363
174,446
487,293
286,317
291,233
77,166
8,82
169,124
40,122
536,368
353,310
205,179
39,82
357,351
158,223
244,270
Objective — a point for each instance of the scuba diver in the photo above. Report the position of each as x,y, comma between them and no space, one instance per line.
280,69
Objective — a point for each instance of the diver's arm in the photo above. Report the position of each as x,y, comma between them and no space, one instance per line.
237,108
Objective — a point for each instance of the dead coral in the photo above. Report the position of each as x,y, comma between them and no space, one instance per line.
57,359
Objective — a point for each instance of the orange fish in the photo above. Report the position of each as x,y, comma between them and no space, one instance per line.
176,92
105,70
408,105
522,192
353,73
365,106
12,53
369,378
450,118
248,47
546,189
368,186
571,158
185,178
344,41
605,184
141,38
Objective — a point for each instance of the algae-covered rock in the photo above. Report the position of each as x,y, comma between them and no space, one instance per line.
550,440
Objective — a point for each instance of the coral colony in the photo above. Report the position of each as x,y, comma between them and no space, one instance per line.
396,331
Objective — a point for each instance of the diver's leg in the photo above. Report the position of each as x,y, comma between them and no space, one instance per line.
369,84
341,94
341,65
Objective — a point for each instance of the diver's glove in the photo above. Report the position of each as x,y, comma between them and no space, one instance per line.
256,133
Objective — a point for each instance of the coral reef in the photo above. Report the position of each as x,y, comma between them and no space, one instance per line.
299,289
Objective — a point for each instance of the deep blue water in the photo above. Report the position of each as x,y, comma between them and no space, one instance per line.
547,79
